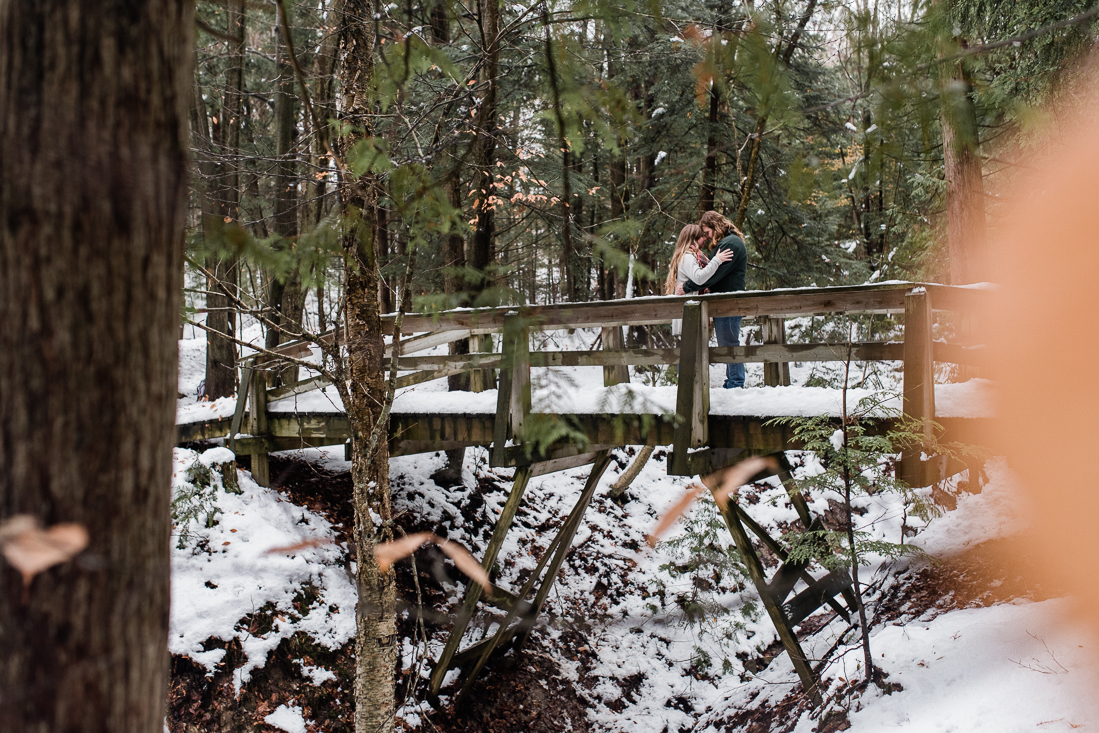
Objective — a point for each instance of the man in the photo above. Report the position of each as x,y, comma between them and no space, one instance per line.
729,278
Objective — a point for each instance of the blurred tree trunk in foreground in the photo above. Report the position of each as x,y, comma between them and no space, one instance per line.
93,194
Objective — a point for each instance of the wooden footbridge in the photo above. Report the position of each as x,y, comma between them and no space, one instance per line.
702,441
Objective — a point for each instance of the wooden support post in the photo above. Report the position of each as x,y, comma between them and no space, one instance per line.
519,406
786,476
775,373
713,481
257,425
919,378
500,426
563,547
692,404
613,341
774,608
242,401
481,380
473,593
555,553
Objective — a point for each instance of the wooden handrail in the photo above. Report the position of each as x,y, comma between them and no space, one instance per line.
884,298
785,303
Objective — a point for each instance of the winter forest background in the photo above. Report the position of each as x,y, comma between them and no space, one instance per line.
234,176
532,152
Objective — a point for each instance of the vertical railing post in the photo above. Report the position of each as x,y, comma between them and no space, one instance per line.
919,378
775,373
481,379
613,341
692,404
257,424
513,399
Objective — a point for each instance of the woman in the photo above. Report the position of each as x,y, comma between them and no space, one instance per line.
689,263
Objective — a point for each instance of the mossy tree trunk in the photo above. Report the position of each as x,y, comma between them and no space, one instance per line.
363,389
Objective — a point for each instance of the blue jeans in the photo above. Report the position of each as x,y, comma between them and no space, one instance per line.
728,334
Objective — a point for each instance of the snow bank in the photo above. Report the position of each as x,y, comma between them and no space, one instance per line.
223,573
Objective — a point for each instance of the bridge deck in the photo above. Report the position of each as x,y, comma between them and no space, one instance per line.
738,419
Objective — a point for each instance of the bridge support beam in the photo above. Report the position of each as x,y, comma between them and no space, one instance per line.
820,591
775,373
521,615
919,381
692,404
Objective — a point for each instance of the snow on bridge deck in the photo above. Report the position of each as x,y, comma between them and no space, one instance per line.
969,399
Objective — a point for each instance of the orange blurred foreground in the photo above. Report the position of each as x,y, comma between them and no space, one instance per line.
1045,342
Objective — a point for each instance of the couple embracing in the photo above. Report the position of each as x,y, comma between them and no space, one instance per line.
691,270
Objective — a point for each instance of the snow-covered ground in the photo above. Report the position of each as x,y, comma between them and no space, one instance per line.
615,624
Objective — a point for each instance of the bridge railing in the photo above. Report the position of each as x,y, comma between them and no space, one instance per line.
513,361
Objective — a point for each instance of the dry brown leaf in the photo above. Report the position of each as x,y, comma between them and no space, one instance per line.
738,475
465,562
388,553
677,509
303,545
693,34
733,478
31,549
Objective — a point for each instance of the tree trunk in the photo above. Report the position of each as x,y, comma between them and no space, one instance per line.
709,170
965,206
569,259
285,298
482,250
376,639
221,352
325,63
617,172
749,181
93,197
387,291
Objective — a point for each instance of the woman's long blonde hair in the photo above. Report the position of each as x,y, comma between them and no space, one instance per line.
688,235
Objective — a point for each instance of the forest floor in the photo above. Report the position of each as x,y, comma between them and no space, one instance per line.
633,640
967,638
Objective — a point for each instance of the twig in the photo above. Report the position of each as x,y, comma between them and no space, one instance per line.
1016,40
284,23
319,368
391,387
220,35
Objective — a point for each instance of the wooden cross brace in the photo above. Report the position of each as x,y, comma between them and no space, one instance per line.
521,614
785,615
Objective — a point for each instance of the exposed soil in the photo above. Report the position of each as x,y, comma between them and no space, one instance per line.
531,696
981,576
200,703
